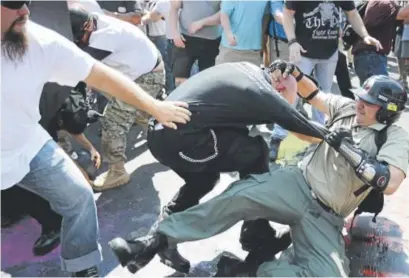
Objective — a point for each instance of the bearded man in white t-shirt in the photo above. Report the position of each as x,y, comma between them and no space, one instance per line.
31,56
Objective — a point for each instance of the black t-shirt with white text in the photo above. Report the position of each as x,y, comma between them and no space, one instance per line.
236,95
317,25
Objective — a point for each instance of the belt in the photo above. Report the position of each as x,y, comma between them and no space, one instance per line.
321,204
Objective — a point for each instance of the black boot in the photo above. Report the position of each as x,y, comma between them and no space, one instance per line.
265,253
139,251
89,272
228,266
171,257
47,242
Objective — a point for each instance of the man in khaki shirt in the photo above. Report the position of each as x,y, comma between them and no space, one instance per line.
314,197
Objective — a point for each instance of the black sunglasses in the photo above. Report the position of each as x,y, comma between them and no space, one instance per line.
14,5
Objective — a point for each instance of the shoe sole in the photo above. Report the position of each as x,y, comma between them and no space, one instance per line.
38,252
111,186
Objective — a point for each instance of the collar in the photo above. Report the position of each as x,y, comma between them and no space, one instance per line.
375,126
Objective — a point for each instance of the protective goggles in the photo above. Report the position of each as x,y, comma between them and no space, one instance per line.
14,5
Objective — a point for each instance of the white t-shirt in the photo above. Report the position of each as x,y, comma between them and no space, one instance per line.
158,28
49,58
133,53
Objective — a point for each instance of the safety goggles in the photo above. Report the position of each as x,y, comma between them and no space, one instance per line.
14,5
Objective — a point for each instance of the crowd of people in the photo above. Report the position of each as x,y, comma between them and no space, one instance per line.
184,70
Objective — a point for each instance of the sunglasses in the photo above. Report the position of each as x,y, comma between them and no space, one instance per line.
14,5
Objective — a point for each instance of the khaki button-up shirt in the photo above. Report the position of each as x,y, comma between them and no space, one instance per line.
332,178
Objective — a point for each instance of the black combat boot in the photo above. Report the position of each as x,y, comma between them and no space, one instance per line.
139,251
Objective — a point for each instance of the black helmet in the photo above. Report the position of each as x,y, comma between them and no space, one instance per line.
78,18
386,92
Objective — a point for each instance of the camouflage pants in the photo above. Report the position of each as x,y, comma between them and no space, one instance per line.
119,117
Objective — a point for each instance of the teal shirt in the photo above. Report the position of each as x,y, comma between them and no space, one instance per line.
246,18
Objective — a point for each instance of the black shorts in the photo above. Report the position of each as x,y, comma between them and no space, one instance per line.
202,50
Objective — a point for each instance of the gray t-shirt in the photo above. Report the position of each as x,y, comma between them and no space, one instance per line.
196,10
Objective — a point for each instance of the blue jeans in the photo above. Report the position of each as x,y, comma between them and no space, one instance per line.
369,63
56,178
161,43
324,72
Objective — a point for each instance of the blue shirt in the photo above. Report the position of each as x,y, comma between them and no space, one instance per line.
246,18
276,29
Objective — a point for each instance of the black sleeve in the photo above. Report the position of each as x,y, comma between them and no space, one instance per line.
292,4
347,5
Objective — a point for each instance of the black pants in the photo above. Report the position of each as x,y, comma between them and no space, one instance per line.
342,74
202,50
17,201
199,158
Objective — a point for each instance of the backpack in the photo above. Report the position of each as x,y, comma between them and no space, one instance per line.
374,202
349,36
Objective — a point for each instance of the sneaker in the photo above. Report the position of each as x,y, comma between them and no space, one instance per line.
47,242
89,272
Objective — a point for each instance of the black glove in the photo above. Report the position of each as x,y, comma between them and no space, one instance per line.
335,138
286,67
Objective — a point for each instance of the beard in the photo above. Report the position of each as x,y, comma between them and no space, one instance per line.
14,44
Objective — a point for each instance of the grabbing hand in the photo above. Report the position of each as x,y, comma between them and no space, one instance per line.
372,41
334,139
168,113
179,40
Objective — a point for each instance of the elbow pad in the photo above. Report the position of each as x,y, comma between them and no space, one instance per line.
374,173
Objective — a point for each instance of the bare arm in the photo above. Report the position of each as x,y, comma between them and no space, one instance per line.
307,138
288,23
356,22
306,87
225,22
108,80
211,20
175,6
151,17
111,81
83,141
396,179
